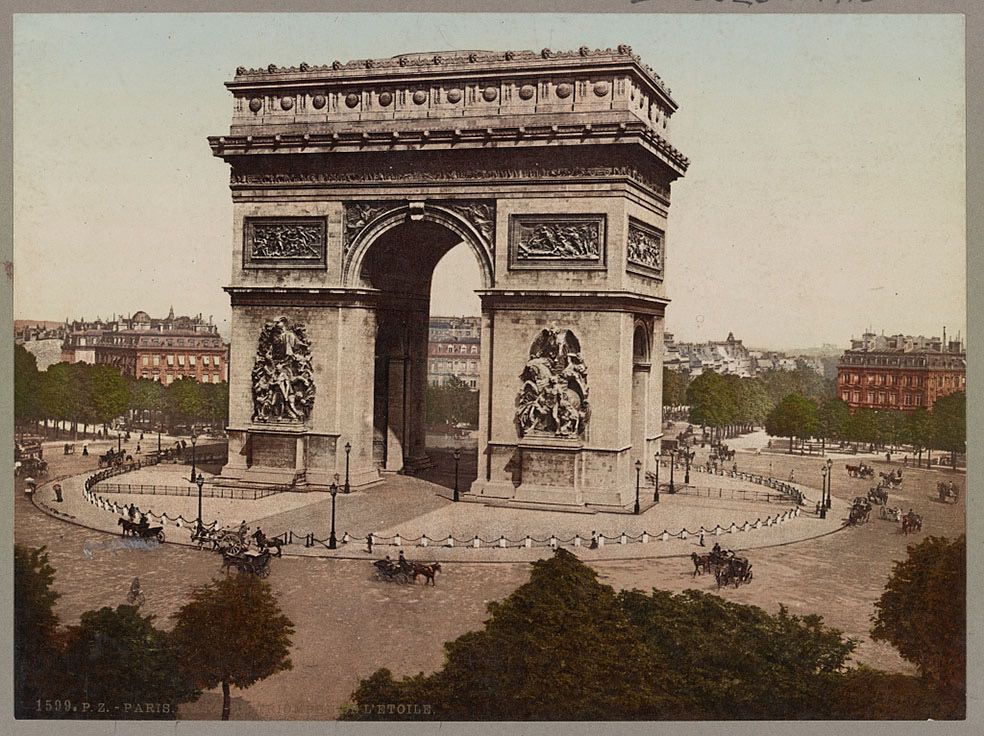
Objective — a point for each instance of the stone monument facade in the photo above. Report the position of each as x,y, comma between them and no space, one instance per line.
350,181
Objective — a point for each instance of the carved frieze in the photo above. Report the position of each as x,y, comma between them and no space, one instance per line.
344,177
284,242
645,248
283,385
554,398
557,241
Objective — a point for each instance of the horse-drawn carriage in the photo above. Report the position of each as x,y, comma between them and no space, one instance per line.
251,561
721,453
404,572
911,523
860,471
860,511
893,479
878,495
728,568
112,458
141,529
892,513
32,466
947,491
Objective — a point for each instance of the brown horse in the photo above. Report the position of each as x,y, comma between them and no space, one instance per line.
428,571
911,523
702,563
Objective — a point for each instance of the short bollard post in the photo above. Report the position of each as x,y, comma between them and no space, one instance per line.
423,541
502,542
528,542
623,539
577,540
717,530
683,534
476,543
345,538
665,535
450,542
601,540
645,538
553,541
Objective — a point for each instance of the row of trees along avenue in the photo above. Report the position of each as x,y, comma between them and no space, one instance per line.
802,405
942,428
83,395
729,404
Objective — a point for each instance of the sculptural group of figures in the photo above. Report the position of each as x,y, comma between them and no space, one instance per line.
283,387
554,397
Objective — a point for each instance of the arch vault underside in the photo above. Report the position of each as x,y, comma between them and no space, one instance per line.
349,183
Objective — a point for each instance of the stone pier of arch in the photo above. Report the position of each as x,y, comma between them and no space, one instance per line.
350,182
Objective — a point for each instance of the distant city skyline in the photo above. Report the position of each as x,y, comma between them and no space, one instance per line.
812,209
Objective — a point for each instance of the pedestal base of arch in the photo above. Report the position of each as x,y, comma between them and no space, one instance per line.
554,471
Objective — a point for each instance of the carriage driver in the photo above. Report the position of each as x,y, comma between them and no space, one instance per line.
402,562
144,522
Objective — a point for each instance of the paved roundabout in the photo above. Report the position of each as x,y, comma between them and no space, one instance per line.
418,516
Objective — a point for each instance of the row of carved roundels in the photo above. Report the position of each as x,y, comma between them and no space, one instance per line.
489,94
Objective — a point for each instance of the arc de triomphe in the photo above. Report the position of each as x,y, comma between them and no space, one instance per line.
349,183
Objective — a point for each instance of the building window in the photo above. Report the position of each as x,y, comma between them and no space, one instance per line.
891,399
205,359
881,398
191,360
181,360
846,396
168,378
917,400
908,399
157,360
145,360
871,397
170,360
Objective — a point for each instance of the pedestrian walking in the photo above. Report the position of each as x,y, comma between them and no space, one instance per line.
792,476
369,542
818,509
594,541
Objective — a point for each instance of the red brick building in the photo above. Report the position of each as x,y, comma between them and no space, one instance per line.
159,349
900,371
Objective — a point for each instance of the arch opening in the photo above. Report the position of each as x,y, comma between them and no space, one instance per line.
426,397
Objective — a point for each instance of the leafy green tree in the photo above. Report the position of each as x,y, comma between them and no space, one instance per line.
452,403
60,393
738,661
35,630
833,417
117,657
863,426
185,400
674,388
216,400
564,646
923,614
795,416
949,421
148,396
108,393
712,402
232,632
804,381
864,693
27,384
919,431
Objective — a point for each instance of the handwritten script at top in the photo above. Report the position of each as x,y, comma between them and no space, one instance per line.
762,2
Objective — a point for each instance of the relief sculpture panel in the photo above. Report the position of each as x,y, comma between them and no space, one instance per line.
560,242
554,397
283,385
645,249
287,242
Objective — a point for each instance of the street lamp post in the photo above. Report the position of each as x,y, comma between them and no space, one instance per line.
119,442
348,448
686,475
823,493
638,467
159,428
200,481
194,439
830,478
457,457
672,465
656,494
333,490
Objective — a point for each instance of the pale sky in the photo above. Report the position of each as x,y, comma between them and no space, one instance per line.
825,192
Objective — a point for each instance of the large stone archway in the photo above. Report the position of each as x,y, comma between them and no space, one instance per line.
349,183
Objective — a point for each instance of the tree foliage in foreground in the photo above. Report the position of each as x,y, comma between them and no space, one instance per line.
923,614
566,647
35,627
232,632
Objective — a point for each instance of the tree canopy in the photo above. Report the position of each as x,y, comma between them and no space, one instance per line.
923,614
117,657
232,632
35,626
565,646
